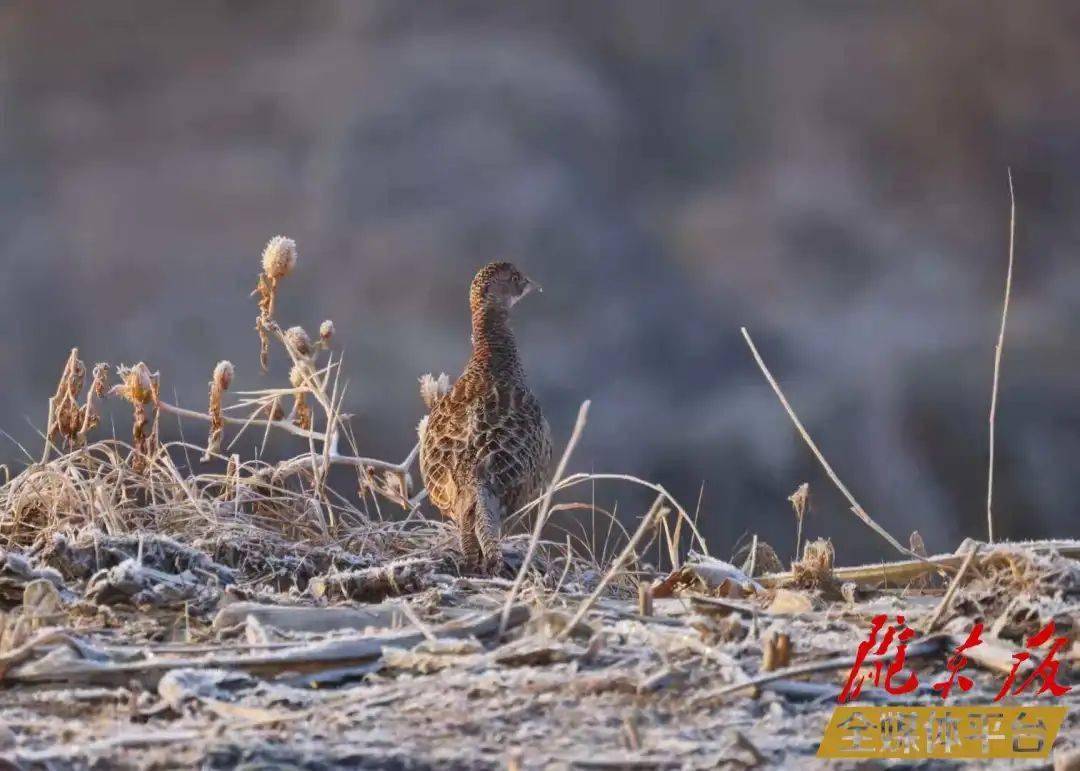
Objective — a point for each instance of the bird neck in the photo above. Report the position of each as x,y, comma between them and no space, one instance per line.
494,348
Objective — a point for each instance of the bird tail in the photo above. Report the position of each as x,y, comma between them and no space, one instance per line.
488,515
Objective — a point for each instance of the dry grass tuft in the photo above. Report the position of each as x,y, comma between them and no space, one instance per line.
815,569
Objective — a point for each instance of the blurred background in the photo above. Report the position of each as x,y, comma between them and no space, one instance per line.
832,176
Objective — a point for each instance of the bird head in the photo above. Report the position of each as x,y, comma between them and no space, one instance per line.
500,285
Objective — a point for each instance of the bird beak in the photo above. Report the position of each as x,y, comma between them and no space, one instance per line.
530,287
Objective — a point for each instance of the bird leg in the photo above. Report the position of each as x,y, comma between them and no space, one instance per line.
488,525
470,544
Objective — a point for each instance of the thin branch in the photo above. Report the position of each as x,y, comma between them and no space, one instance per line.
307,461
997,363
301,461
951,592
284,425
855,507
519,579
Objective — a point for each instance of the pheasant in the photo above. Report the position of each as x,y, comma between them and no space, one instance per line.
485,447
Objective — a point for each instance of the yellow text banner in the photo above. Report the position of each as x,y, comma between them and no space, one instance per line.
990,732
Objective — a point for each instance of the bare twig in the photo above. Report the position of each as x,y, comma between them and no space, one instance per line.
284,425
316,463
951,591
855,507
425,630
519,579
997,363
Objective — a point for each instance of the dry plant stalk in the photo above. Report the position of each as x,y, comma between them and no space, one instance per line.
776,653
219,384
232,477
915,541
274,411
65,415
951,591
997,364
91,413
761,558
645,597
856,509
545,505
800,502
140,387
301,412
278,260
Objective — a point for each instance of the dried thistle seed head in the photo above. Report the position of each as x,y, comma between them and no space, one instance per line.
326,330
139,383
296,376
279,257
223,374
299,340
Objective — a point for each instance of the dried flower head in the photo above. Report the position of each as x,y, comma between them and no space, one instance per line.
296,377
223,374
140,387
299,340
65,414
279,257
815,569
100,381
799,500
137,384
326,330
